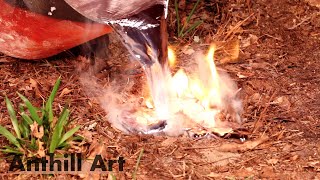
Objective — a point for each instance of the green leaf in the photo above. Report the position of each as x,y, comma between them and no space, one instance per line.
56,136
192,11
77,138
10,150
33,144
194,26
181,32
25,126
189,17
31,108
63,145
51,98
26,118
9,136
176,6
137,165
13,117
113,177
68,134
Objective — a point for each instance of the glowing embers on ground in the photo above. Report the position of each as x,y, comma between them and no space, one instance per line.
199,102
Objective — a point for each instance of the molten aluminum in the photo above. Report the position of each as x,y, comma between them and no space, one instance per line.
197,102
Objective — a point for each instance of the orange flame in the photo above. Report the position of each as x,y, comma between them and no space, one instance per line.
171,57
197,95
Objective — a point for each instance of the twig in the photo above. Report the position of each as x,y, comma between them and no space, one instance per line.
258,123
300,23
213,162
236,27
199,147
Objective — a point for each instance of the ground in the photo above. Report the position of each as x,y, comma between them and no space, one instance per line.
277,69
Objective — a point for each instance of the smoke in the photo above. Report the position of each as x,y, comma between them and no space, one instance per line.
170,114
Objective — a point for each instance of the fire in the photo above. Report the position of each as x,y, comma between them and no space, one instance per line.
205,89
171,57
194,98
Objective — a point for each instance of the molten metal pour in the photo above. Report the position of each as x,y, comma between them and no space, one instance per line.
197,102
141,24
145,35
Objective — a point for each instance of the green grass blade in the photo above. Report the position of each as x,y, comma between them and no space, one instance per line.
182,33
62,121
22,130
192,11
31,108
113,177
26,118
13,117
51,98
10,150
134,175
9,136
68,134
194,26
26,128
176,6
33,145
54,140
77,138
56,136
63,145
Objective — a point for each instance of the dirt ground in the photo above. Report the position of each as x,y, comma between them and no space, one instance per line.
278,72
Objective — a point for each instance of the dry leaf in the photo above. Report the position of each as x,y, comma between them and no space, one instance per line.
241,76
94,149
282,101
248,145
272,161
196,39
36,131
246,173
34,85
85,167
97,149
87,135
252,39
169,141
187,50
214,175
315,3
255,98
91,126
294,158
219,158
65,91
41,151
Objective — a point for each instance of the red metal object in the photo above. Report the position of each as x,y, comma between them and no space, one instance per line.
28,35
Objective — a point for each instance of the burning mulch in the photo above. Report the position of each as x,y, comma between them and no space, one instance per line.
276,69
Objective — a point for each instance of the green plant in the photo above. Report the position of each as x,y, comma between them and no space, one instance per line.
134,174
181,29
37,135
